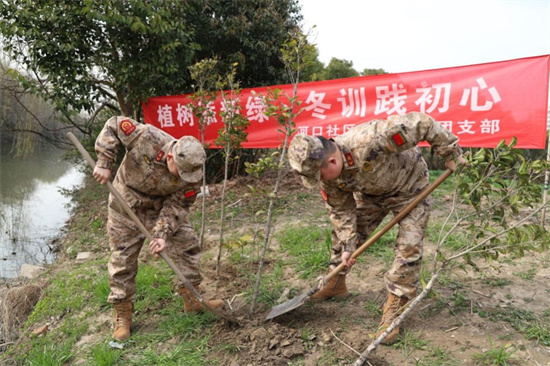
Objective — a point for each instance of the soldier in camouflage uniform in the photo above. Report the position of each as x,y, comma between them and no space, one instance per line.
159,178
371,170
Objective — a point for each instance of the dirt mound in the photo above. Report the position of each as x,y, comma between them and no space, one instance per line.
271,344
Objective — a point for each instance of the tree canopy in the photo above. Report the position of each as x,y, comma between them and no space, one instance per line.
338,69
249,32
80,55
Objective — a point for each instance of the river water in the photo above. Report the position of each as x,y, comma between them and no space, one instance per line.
33,210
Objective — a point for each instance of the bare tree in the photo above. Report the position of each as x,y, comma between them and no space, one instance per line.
204,74
284,109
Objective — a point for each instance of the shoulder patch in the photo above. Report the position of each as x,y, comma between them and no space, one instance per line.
190,193
159,156
127,127
398,139
147,160
367,166
349,159
324,195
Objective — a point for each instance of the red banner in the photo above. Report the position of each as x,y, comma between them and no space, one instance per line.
481,104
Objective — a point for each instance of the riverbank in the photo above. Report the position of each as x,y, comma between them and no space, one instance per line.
503,307
19,295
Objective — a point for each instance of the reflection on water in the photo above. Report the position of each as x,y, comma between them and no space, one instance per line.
32,210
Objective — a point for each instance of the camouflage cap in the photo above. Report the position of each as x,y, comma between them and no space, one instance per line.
305,156
189,156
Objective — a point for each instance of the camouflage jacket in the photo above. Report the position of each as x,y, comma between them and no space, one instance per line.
381,159
143,178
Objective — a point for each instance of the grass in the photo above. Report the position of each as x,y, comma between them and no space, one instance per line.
271,286
307,336
164,335
454,242
460,301
153,285
186,353
76,293
103,355
44,352
498,282
70,293
308,249
437,357
174,324
538,332
410,342
372,308
89,219
519,319
330,358
525,322
527,275
382,249
498,356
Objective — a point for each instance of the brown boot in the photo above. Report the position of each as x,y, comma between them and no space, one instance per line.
123,320
335,287
192,305
392,309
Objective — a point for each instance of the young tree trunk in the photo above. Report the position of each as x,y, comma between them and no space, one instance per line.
203,208
222,220
364,356
268,221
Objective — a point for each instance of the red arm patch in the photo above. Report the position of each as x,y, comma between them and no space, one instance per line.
159,156
349,159
190,193
127,127
398,138
324,195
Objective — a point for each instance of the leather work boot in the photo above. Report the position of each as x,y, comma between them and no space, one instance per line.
335,287
123,320
192,305
392,309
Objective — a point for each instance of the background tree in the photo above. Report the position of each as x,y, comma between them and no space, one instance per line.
249,32
314,69
117,53
26,122
88,55
368,72
338,69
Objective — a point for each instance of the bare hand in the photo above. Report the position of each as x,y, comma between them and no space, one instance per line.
157,245
451,164
347,260
102,175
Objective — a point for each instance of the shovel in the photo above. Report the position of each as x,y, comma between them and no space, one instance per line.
301,299
145,232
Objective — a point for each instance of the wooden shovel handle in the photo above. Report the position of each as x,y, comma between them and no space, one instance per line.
425,193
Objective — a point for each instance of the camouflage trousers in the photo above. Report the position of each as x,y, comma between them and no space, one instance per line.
126,241
403,277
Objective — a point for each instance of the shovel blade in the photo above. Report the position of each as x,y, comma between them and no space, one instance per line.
287,306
